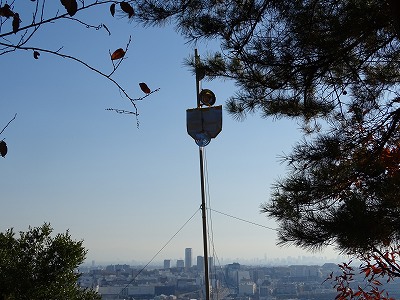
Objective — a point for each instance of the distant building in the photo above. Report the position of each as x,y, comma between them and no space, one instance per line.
122,268
210,262
247,289
188,258
200,263
286,289
232,274
114,292
110,268
232,281
180,263
302,272
167,263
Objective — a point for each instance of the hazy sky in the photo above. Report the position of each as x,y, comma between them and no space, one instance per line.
127,191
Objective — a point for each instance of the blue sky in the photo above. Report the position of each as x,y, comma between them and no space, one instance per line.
127,191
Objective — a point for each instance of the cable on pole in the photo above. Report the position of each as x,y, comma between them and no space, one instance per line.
158,252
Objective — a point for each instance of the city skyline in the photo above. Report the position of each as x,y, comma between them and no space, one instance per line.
197,258
231,281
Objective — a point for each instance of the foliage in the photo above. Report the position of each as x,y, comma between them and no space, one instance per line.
375,267
291,58
343,186
36,265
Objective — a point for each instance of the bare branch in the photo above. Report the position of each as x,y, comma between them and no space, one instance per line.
115,67
57,17
145,96
8,124
58,53
122,111
127,112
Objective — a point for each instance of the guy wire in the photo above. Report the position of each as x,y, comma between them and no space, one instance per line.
158,252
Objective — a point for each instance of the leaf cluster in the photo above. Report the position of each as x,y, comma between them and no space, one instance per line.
36,265
343,185
297,59
376,267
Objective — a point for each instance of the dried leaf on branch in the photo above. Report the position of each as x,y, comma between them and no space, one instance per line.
6,11
118,54
127,8
112,9
71,6
144,88
15,23
3,148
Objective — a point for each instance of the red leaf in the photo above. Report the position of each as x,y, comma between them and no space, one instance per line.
15,22
71,6
367,271
127,8
112,9
144,88
376,270
3,148
357,294
6,11
376,282
119,53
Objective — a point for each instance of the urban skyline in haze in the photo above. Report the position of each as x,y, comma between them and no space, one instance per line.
197,259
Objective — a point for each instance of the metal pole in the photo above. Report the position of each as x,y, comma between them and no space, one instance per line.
203,196
196,61
203,211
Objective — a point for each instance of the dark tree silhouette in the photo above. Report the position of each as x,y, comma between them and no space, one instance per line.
291,58
37,265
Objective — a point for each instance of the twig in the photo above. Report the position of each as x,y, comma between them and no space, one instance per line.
122,111
142,98
82,63
8,123
115,66
135,113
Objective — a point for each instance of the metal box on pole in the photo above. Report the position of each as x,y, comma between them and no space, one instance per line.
204,124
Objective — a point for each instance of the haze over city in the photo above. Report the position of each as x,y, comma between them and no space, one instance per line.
129,192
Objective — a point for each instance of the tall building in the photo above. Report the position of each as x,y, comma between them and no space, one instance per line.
180,263
188,258
200,263
210,262
167,263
